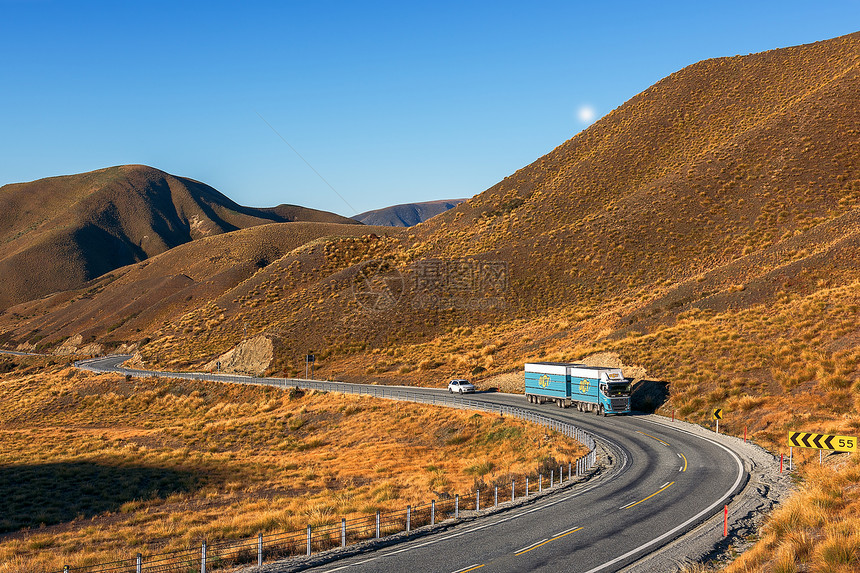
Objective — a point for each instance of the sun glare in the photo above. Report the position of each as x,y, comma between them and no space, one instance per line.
586,114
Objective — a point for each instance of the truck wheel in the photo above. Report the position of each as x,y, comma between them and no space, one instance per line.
559,403
602,412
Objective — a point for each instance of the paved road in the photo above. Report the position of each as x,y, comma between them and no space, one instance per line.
663,482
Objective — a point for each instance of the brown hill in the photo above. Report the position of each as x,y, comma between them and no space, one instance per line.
130,303
704,235
60,232
720,160
727,190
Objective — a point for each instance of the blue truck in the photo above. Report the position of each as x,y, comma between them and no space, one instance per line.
588,388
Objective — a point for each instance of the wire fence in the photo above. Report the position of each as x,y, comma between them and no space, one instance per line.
225,555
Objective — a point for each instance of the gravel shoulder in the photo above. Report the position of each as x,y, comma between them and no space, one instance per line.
765,488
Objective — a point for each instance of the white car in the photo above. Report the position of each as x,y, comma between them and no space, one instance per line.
460,386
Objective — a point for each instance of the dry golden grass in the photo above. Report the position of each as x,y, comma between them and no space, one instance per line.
818,529
95,468
706,232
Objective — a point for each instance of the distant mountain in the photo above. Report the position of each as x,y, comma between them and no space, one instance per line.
60,232
406,215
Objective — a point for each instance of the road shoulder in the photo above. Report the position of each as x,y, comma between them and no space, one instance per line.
765,488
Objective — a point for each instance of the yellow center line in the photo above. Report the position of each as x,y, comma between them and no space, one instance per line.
535,547
471,568
650,496
568,533
685,461
655,437
547,541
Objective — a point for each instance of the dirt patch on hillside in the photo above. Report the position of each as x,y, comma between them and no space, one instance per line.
75,345
511,382
70,346
251,356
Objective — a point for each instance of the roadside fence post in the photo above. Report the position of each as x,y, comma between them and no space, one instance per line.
497,497
527,487
433,512
309,538
513,490
560,474
139,563
377,524
780,462
408,518
456,505
551,478
477,500
259,550
540,483
203,557
568,470
343,532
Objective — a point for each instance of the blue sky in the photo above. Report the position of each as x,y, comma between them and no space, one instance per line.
390,102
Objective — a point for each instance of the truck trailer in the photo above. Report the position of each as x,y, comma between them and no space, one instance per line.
588,388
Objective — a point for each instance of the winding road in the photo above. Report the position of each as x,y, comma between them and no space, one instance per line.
661,481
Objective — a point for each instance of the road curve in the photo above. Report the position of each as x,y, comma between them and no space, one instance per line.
664,482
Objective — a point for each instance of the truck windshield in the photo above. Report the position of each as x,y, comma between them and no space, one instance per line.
619,389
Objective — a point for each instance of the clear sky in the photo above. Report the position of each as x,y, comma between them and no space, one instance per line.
390,102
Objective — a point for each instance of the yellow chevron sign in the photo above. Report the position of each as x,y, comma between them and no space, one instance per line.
718,414
822,441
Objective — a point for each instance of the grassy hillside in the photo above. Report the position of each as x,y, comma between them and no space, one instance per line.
130,303
722,192
94,468
61,232
704,234
727,186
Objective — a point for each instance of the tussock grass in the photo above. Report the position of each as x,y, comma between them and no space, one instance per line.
95,468
817,529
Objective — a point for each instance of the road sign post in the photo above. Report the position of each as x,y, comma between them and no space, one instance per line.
718,415
309,362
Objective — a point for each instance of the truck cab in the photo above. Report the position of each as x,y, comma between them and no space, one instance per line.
615,395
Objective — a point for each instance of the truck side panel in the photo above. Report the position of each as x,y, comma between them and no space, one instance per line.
584,389
550,385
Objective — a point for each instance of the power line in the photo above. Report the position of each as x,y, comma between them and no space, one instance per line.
306,162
